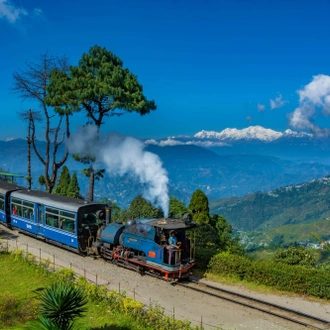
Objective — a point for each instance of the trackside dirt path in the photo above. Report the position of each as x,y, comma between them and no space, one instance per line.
177,301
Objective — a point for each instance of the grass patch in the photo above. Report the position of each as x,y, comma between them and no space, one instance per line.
235,281
18,280
101,316
19,303
20,277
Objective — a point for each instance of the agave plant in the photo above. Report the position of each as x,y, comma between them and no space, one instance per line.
60,304
45,324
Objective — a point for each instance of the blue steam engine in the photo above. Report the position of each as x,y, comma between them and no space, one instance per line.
142,245
84,227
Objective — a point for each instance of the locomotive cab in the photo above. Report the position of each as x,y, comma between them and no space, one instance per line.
175,255
90,219
143,244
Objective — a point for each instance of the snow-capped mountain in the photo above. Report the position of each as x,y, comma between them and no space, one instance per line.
255,140
290,133
250,133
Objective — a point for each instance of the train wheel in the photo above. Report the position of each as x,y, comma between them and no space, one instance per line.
140,270
83,252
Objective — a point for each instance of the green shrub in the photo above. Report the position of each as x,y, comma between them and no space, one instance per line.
65,274
298,279
92,291
203,256
295,256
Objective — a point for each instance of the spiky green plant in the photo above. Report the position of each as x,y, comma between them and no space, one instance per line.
61,303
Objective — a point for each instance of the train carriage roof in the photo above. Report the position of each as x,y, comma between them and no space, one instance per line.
6,186
52,200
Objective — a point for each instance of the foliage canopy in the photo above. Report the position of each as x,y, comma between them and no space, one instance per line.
100,86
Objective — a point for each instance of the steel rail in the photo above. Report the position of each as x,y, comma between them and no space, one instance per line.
291,315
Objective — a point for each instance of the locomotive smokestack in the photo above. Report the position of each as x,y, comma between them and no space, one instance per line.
107,215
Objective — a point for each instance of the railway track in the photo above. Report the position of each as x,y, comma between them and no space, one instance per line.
306,320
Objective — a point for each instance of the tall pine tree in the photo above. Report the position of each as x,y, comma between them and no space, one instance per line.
101,87
199,206
74,189
62,186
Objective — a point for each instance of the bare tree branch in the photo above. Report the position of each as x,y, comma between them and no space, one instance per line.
32,83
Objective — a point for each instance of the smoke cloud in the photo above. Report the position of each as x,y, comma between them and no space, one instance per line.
313,96
121,155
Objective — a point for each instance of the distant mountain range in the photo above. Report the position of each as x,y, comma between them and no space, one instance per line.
257,140
220,172
257,133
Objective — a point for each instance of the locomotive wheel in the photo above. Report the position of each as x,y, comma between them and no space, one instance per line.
140,270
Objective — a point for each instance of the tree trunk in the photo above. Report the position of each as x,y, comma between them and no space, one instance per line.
91,184
29,177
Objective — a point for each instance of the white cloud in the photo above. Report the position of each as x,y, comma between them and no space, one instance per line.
151,141
208,143
277,103
164,143
11,12
248,118
172,142
316,90
261,107
37,12
314,95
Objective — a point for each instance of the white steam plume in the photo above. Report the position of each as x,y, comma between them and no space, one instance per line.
122,154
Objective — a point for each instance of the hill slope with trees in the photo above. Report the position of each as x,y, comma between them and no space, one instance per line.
296,204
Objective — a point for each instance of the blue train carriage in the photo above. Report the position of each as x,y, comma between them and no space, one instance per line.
69,222
143,245
5,190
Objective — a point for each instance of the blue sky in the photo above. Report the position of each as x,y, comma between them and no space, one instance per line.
208,64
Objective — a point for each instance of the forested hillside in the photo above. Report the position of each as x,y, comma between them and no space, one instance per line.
287,235
293,204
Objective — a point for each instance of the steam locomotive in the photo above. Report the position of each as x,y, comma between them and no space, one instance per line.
85,227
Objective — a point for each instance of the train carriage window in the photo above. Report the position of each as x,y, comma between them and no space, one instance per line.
67,225
52,217
27,210
2,202
67,221
17,206
67,215
28,204
28,213
89,219
51,220
61,219
51,210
